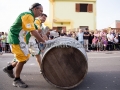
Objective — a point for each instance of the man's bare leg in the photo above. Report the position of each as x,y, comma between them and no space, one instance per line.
38,58
17,81
19,67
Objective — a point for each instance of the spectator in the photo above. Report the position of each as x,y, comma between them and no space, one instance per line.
110,38
99,44
94,43
69,34
103,39
97,34
74,35
80,36
119,40
63,33
7,47
116,40
0,44
3,42
90,40
104,42
86,39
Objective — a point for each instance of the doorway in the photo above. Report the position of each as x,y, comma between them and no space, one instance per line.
59,28
83,27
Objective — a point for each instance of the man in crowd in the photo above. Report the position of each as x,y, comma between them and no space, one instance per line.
80,36
3,42
86,38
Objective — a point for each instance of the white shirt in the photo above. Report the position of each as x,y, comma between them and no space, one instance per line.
80,36
116,40
110,37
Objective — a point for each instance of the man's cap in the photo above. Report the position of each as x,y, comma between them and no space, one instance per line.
34,5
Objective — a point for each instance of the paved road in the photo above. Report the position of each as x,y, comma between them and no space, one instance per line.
103,73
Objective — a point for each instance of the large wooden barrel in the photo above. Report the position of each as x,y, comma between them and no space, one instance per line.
64,63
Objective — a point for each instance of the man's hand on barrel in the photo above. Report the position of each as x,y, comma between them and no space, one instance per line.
47,43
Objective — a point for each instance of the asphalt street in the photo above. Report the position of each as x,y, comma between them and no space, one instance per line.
103,73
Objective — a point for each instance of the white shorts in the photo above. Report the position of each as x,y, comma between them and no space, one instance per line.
3,44
33,46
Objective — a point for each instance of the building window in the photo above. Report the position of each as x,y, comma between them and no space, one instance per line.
83,27
84,7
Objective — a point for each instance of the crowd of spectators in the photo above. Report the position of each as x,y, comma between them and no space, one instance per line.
91,40
95,40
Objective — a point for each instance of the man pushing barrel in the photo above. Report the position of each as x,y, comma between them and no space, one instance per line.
23,24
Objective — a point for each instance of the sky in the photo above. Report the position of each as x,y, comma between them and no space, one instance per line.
107,11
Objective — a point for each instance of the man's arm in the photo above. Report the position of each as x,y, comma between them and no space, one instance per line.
88,34
39,31
44,36
37,36
84,34
38,24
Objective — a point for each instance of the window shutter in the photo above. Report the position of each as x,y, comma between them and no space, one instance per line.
90,8
77,7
